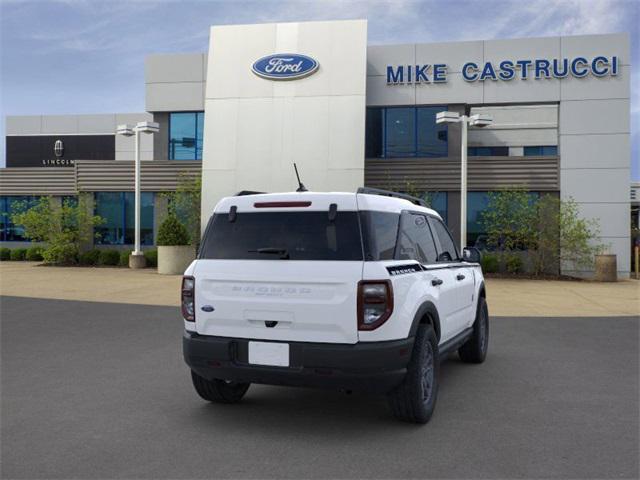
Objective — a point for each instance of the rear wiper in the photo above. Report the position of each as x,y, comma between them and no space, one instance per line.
284,254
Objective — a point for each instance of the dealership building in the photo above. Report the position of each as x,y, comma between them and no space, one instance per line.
349,114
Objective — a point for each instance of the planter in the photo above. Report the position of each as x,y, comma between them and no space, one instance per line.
174,260
606,268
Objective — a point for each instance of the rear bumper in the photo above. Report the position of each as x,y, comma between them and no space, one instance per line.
374,366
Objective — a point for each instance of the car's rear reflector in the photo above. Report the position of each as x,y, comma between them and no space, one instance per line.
281,204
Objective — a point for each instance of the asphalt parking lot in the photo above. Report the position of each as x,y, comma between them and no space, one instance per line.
99,390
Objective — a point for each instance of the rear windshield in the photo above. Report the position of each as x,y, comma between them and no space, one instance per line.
283,236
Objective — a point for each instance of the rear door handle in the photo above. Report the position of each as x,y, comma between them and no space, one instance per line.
460,277
436,281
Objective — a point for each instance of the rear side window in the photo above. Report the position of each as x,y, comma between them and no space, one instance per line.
379,231
448,251
283,235
415,241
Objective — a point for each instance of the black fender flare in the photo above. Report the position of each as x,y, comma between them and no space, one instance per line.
426,310
482,292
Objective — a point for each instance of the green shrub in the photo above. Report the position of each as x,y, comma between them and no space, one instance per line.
152,258
513,263
64,228
90,257
172,232
34,254
61,254
109,257
5,254
18,254
490,263
124,258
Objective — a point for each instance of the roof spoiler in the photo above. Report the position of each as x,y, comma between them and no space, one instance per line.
389,193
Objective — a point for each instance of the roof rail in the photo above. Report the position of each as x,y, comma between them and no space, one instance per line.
389,193
243,193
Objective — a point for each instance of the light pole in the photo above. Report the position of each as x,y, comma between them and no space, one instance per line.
477,120
136,259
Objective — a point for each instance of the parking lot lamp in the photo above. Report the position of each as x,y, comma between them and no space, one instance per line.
477,120
136,259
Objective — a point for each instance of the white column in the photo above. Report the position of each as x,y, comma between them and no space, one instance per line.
463,185
136,250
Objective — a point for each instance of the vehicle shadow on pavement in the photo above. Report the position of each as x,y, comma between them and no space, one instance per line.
297,409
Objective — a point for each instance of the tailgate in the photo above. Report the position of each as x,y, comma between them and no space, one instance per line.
307,301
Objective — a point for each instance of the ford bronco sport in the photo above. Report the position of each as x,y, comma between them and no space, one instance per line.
352,291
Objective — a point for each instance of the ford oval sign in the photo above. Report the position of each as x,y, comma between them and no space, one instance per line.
285,66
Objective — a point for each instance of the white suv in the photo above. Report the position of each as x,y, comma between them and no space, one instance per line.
353,291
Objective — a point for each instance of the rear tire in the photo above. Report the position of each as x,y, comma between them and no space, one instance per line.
475,349
219,391
414,400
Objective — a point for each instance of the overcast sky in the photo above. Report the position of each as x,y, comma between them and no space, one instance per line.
84,56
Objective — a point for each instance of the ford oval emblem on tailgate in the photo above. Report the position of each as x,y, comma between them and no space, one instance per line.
284,66
207,308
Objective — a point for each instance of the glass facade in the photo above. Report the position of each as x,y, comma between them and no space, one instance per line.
488,151
9,232
117,209
438,202
541,151
405,132
185,135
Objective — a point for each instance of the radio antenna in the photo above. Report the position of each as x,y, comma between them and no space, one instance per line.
301,187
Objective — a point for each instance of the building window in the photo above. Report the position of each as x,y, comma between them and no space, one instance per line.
405,132
541,151
9,232
438,201
117,209
185,135
488,151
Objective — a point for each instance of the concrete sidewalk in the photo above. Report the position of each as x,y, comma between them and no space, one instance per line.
516,298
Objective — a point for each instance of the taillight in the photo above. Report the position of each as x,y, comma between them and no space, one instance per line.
375,303
188,299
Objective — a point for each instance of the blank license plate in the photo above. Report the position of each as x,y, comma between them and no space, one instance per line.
268,353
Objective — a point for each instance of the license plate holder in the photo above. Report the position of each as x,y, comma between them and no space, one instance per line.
269,353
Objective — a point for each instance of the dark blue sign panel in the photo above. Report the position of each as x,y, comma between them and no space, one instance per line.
285,66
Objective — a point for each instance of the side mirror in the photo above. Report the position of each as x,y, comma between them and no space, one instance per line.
471,255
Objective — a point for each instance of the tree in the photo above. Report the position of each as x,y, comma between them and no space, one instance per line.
549,228
184,203
509,219
578,237
63,227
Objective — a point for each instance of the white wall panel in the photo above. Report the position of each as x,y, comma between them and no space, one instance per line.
256,128
596,185
58,124
521,49
379,56
174,97
593,45
520,91
516,137
595,151
594,117
453,54
381,94
174,68
612,219
593,88
455,90
23,125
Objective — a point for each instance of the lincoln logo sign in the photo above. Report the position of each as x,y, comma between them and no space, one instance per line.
58,148
505,70
285,66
